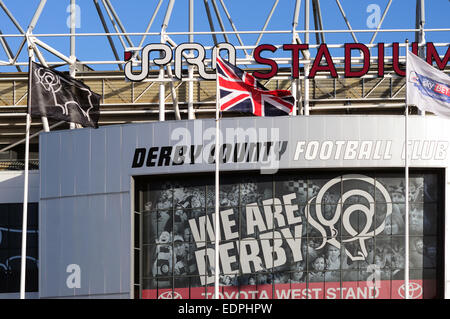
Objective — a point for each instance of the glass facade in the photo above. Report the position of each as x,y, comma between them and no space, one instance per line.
11,247
290,235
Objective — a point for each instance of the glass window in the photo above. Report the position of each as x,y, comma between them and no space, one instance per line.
292,235
11,244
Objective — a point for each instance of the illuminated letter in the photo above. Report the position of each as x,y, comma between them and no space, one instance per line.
348,60
395,54
145,61
381,59
198,61
433,55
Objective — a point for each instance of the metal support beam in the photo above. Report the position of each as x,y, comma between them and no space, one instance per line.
72,66
306,65
155,12
381,21
162,107
219,18
168,67
307,9
318,21
116,17
32,47
31,26
346,21
22,44
374,87
164,38
36,16
211,24
113,22
191,114
174,93
8,51
38,53
420,35
294,83
266,23
73,12
162,92
51,50
143,92
167,16
233,26
11,17
105,27
31,136
420,24
296,15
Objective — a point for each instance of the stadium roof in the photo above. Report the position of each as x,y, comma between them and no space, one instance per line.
96,56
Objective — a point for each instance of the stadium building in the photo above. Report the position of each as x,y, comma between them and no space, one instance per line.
312,204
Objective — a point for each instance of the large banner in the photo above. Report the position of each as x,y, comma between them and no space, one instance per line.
286,236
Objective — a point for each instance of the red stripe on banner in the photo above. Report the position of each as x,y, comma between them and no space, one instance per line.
232,102
382,289
231,85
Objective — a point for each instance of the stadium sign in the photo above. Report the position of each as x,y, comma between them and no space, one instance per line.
322,62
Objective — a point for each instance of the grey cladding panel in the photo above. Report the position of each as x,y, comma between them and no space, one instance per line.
98,160
112,221
113,159
68,151
53,162
95,226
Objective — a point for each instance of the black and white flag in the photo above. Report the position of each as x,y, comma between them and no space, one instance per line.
57,96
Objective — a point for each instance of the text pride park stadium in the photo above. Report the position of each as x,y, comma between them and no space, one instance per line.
294,50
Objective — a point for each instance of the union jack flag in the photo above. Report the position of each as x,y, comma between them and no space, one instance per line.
240,92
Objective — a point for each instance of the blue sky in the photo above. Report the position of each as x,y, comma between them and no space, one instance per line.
246,15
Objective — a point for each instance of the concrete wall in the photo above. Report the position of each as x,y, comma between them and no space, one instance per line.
11,191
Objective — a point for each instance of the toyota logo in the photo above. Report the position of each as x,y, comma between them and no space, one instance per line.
415,290
170,295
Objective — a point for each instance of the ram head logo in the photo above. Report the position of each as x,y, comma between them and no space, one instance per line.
355,216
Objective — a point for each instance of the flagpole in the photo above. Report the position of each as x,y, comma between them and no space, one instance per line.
44,119
216,221
25,184
406,183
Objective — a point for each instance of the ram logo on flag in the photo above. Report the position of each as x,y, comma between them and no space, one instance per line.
427,87
240,92
57,96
